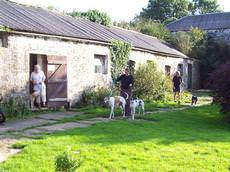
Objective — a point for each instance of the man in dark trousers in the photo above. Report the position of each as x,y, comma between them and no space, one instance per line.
177,81
126,89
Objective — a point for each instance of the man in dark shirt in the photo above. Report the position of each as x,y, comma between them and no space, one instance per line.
126,89
177,81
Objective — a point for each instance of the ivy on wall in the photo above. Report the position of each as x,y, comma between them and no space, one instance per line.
119,52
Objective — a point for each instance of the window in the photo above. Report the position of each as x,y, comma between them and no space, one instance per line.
100,64
180,68
167,70
3,40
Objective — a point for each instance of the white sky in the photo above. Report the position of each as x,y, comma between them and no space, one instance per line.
119,10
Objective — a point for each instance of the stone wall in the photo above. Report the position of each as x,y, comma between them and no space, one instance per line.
14,60
162,61
14,70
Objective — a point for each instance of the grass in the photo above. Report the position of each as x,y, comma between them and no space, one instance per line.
195,139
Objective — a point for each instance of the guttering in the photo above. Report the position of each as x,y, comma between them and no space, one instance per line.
81,40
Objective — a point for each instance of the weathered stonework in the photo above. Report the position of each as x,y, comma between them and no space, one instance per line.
15,65
162,61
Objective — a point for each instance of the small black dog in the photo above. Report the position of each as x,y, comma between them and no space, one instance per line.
194,100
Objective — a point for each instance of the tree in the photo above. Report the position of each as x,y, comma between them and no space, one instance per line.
151,28
203,6
220,83
191,42
165,9
182,41
169,10
94,16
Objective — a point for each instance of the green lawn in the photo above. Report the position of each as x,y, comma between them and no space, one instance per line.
196,139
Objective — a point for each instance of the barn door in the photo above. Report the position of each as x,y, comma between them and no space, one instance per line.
56,81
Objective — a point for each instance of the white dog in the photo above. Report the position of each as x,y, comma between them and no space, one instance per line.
116,101
137,103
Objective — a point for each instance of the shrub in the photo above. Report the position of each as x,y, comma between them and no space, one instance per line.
153,28
15,107
94,96
220,83
66,162
150,84
94,16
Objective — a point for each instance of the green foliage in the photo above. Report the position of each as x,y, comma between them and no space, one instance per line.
152,28
66,162
4,29
182,41
150,84
165,9
161,142
94,96
189,42
212,55
119,52
203,6
15,107
94,16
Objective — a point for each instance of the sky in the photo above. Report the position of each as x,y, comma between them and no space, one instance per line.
118,10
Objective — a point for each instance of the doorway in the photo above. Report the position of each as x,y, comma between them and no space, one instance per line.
55,70
189,76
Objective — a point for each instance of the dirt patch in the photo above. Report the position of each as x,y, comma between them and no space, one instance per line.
5,147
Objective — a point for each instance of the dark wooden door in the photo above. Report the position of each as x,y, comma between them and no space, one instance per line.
189,76
56,81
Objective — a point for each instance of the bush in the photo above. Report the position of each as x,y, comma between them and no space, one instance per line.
153,28
220,83
94,96
94,16
15,107
66,162
150,84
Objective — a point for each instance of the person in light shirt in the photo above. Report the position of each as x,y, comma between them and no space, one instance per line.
39,89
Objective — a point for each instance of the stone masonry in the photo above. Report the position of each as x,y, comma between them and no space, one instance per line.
14,60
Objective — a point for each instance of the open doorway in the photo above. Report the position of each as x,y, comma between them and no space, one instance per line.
55,70
189,76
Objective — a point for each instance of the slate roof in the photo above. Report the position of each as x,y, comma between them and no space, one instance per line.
37,20
212,21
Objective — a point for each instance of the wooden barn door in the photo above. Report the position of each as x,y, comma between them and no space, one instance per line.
56,81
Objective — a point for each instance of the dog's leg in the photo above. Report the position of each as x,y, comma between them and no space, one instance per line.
111,112
123,110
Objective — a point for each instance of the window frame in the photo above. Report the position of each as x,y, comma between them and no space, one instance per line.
104,64
180,68
166,71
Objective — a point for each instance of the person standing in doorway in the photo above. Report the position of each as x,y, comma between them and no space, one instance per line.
177,81
39,89
126,81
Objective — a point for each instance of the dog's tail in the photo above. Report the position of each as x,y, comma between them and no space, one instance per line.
127,95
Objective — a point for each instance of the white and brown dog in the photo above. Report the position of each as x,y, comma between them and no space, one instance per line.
116,101
137,103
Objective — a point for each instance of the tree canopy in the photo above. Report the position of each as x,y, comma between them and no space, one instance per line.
164,10
94,16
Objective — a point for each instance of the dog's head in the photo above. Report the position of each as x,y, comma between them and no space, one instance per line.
106,100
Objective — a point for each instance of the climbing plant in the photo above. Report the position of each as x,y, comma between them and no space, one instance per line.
120,52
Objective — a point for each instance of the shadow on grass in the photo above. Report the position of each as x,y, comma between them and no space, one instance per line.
199,124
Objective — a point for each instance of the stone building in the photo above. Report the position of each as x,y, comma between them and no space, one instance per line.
73,53
215,24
